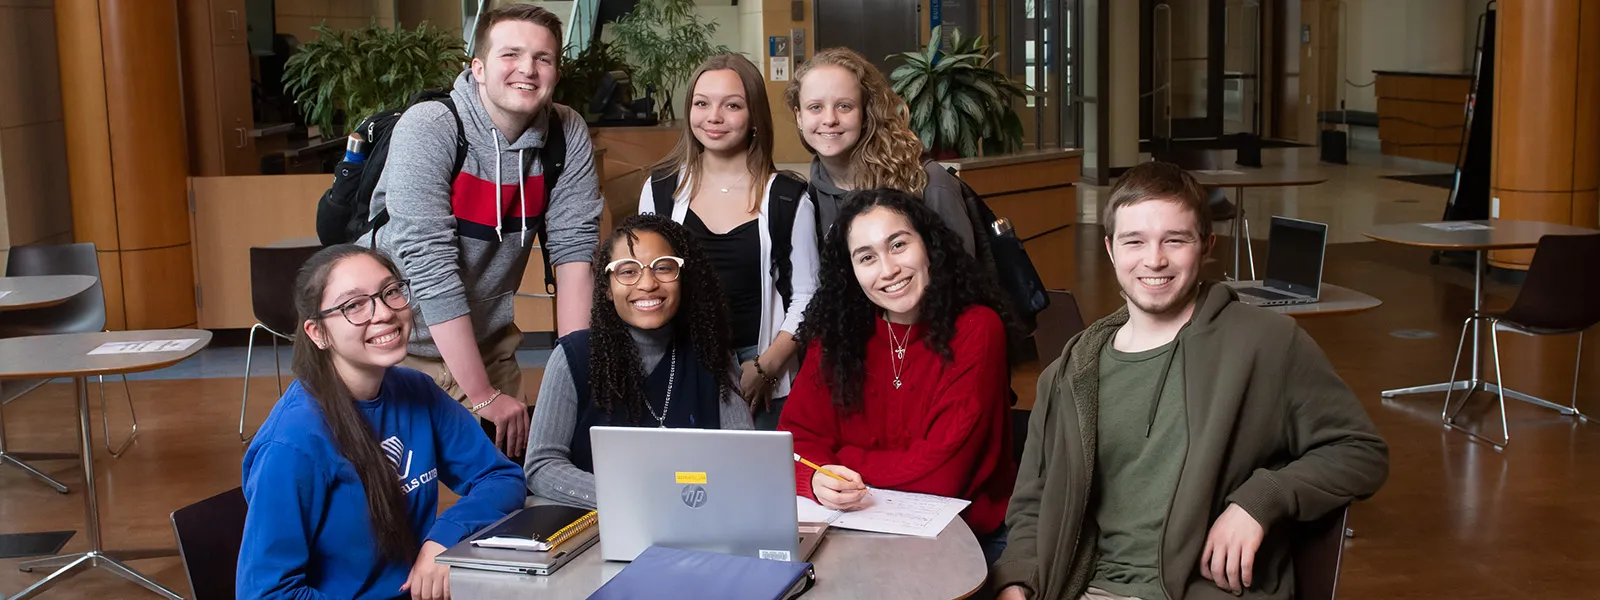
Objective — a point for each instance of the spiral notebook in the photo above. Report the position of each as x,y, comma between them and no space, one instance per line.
537,528
563,532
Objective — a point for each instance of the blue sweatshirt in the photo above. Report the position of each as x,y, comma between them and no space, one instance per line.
308,534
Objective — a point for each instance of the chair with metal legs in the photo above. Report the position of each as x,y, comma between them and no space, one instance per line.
1558,297
272,273
83,313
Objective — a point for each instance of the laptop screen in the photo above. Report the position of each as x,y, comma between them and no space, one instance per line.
1294,257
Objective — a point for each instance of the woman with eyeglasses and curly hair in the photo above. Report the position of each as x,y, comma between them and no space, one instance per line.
860,134
343,477
656,354
904,386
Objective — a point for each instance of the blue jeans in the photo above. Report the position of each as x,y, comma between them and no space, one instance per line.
767,419
993,544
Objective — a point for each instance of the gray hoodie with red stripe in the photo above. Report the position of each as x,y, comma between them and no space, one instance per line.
464,243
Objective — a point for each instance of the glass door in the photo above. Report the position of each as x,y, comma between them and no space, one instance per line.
1181,74
1042,52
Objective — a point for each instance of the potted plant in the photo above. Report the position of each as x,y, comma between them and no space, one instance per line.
347,75
959,104
665,41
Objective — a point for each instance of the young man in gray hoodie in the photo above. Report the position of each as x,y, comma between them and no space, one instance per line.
464,239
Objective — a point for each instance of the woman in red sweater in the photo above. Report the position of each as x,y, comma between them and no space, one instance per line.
905,381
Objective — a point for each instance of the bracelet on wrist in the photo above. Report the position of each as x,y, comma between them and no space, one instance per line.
479,406
763,373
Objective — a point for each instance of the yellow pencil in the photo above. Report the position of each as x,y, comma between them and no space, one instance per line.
823,471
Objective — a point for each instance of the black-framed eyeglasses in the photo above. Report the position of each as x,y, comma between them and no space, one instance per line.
628,271
360,309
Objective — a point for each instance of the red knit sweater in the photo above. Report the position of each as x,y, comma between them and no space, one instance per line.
945,431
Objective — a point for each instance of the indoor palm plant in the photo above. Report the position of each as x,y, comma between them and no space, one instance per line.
959,103
347,75
664,41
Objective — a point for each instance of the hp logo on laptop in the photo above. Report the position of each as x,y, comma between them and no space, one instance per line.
693,496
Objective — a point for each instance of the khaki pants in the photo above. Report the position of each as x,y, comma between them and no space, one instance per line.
1099,594
499,359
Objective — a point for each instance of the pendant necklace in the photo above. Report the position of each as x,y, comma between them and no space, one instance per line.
672,374
897,349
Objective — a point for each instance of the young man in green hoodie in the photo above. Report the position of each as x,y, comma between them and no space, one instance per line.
1174,441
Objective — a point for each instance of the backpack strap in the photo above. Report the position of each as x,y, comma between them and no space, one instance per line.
822,232
455,169
553,160
663,183
783,203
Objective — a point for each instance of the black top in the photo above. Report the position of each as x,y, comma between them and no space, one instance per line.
737,257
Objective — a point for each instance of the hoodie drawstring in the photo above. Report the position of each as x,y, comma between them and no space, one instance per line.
1161,386
498,219
522,196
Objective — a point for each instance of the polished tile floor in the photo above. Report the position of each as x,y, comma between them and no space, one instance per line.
1456,519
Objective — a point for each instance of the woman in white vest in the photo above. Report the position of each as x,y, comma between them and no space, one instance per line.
756,225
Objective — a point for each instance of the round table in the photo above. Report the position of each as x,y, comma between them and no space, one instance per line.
23,293
67,355
1480,237
39,291
850,565
1333,300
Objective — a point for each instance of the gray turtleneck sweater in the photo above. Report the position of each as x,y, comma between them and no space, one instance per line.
549,471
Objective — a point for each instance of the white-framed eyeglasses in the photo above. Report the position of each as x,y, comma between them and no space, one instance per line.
627,271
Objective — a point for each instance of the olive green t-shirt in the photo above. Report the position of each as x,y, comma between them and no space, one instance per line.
1139,457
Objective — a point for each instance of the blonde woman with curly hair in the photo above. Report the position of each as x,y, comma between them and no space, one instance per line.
860,135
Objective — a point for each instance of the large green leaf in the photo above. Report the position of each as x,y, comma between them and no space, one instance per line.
914,87
970,106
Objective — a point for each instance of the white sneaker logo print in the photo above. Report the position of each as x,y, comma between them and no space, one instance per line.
393,448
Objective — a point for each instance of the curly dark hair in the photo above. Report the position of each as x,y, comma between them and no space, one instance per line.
615,378
841,316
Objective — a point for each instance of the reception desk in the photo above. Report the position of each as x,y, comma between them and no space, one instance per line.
1421,114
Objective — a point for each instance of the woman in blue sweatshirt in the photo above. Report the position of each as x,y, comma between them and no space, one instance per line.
342,477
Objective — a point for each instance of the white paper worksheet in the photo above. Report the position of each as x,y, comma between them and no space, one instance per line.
144,346
888,511
1456,226
4,293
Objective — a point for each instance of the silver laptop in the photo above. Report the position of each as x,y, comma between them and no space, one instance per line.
1294,265
730,492
465,555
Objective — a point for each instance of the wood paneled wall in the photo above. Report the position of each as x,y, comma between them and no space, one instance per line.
1546,158
1420,116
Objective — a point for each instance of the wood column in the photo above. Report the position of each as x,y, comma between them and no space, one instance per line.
127,155
1546,161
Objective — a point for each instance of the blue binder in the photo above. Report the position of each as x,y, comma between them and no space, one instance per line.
671,574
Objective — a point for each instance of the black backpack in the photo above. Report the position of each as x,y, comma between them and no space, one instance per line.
781,211
343,212
1000,247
